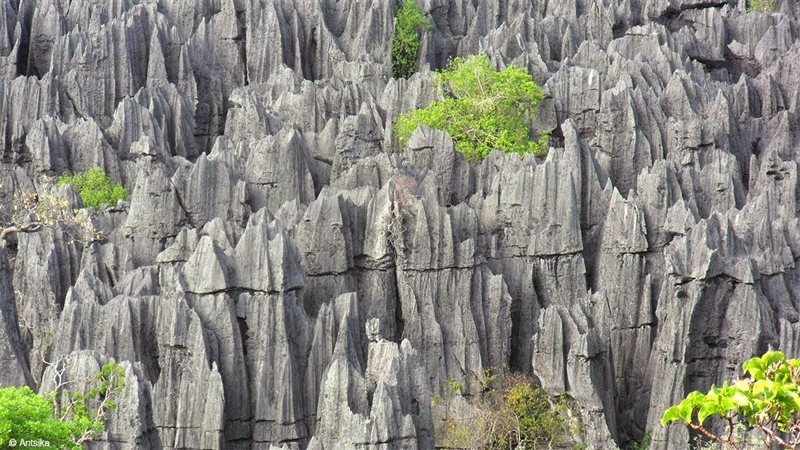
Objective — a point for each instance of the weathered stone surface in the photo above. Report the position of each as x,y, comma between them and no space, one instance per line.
281,255
568,358
393,377
131,422
265,258
209,189
15,367
155,213
167,337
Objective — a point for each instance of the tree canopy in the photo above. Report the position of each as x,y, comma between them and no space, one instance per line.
65,420
411,22
483,109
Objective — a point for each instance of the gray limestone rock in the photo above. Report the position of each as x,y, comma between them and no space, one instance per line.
568,358
172,347
155,213
276,172
528,208
359,136
265,258
45,268
131,422
277,338
284,276
394,379
12,356
209,189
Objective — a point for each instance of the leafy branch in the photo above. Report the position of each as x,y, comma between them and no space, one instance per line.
64,419
767,400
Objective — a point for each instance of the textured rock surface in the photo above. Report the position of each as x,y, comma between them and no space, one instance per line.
284,276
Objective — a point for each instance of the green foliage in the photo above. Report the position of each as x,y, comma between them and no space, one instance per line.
489,378
25,414
644,444
483,109
455,386
768,400
766,6
515,416
411,22
95,187
535,422
65,424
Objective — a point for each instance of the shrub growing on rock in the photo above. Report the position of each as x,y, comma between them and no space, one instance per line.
411,22
516,415
483,109
766,400
59,420
526,418
95,187
766,6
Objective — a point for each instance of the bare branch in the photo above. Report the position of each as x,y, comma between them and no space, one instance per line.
30,228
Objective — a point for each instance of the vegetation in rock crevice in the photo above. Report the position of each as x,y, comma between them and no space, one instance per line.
766,6
95,187
32,211
483,109
517,414
411,22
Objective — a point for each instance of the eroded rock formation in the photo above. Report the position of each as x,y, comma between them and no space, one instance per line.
285,276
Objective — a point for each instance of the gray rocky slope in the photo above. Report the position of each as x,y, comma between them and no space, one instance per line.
285,276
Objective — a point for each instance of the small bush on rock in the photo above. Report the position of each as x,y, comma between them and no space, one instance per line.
526,417
517,415
411,22
766,6
95,187
483,109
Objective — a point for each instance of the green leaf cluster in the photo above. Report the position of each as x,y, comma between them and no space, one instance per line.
769,399
766,6
411,22
27,415
110,383
483,109
95,187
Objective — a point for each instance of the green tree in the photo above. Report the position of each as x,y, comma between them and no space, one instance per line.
411,22
483,109
95,187
767,400
67,420
26,414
